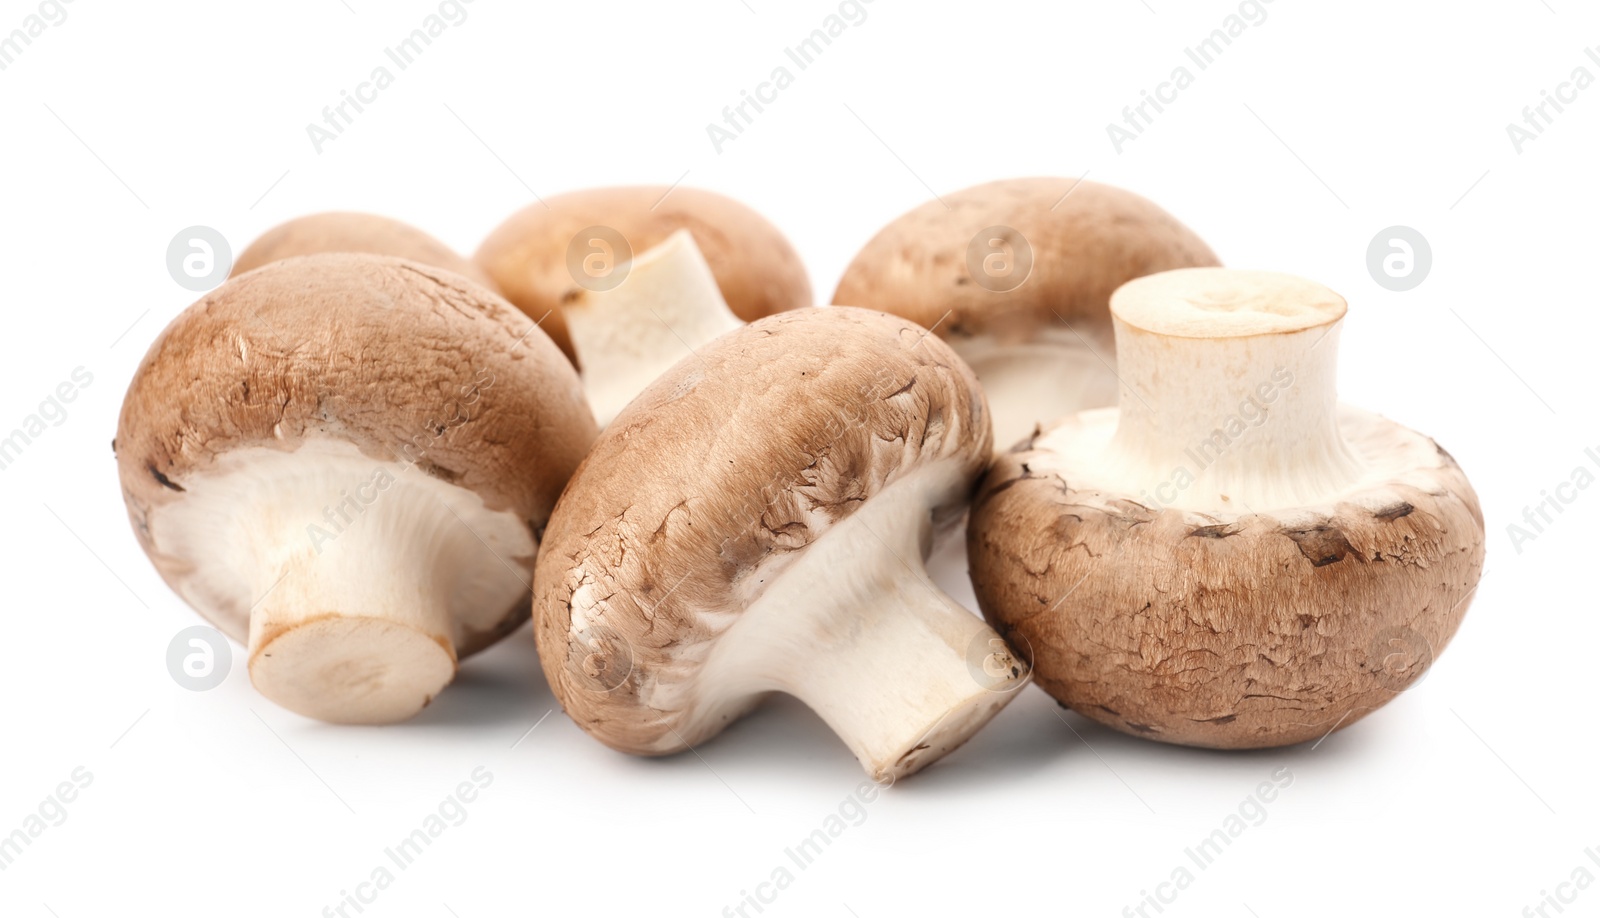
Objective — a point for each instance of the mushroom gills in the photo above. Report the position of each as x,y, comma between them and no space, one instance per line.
855,628
1049,376
353,580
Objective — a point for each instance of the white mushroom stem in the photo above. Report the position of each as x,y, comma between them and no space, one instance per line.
359,578
665,308
1228,395
857,630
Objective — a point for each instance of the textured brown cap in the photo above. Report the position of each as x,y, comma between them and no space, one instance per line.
1226,630
369,350
336,231
720,475
1083,240
756,268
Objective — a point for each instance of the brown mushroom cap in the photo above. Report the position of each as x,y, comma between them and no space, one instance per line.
716,481
1016,275
365,364
756,268
1223,630
1231,559
337,231
1086,240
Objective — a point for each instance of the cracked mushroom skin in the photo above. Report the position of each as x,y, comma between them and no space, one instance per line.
757,270
1025,307
1232,558
343,462
342,231
756,521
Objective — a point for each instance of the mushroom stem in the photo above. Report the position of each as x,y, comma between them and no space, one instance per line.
667,306
364,579
909,682
899,670
1228,395
360,633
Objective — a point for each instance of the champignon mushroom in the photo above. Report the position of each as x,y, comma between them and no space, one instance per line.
344,461
1015,275
756,521
548,253
666,308
1230,558
338,231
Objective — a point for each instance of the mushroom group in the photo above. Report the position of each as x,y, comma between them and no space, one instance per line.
359,460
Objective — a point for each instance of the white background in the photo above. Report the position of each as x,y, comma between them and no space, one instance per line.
1468,795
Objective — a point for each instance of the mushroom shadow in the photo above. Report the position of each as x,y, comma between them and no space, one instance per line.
500,687
1017,743
1365,739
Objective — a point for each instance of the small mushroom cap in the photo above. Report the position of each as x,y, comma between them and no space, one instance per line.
1228,629
368,350
1085,240
758,271
339,231
714,480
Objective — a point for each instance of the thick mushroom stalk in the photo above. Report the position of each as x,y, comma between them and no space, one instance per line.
1234,385
857,630
352,567
666,307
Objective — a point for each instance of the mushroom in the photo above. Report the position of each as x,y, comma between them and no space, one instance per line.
344,461
1230,558
1015,275
757,521
337,231
548,253
667,307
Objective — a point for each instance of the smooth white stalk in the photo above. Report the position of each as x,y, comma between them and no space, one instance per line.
666,308
354,580
1229,397
858,631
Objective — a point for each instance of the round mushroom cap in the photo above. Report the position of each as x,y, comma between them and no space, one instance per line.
1227,629
338,231
531,255
360,355
1014,257
717,479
